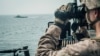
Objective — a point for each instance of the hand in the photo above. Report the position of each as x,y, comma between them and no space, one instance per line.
63,14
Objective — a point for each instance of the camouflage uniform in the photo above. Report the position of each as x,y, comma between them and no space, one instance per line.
48,45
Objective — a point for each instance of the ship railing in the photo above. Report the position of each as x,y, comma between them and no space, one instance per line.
16,52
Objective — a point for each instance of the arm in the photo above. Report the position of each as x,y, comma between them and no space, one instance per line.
48,44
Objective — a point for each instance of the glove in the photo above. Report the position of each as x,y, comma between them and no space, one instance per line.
63,14
60,20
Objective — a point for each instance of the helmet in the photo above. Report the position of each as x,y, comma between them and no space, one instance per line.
91,4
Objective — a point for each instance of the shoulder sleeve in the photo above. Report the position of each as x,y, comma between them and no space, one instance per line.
48,42
46,46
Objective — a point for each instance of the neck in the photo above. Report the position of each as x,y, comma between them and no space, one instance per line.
97,28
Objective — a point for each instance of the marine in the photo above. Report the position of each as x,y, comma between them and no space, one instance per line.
48,43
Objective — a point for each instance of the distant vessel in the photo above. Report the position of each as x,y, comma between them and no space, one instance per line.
18,16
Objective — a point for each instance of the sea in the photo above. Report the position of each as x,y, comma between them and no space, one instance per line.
19,32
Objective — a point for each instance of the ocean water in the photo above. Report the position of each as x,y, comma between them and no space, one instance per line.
18,32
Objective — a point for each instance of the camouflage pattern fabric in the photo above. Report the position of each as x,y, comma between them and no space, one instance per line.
91,4
48,45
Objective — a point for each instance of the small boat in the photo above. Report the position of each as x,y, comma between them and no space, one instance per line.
18,16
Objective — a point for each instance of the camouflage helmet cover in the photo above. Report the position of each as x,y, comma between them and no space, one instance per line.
91,4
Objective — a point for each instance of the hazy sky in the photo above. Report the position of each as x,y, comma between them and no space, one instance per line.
30,6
